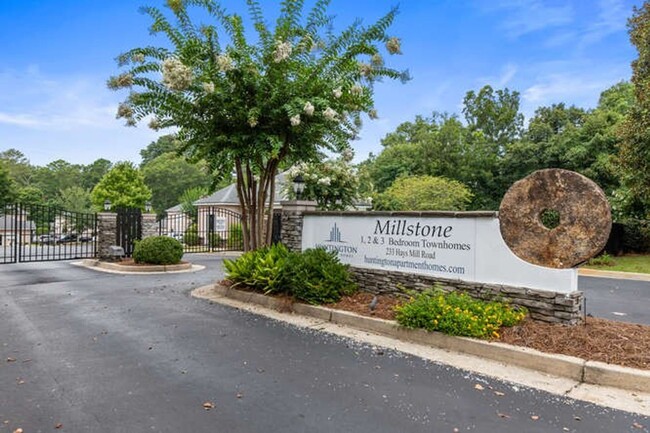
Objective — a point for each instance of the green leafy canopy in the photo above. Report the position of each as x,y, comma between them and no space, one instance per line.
296,89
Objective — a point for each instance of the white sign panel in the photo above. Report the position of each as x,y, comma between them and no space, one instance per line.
220,224
467,248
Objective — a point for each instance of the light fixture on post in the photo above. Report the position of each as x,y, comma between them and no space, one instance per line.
147,206
107,205
298,186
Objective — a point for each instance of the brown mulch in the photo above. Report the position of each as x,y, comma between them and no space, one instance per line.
130,262
620,343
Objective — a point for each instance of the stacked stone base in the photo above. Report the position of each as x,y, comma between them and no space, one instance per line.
552,307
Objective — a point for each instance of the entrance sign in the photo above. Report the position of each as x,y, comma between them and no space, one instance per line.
452,246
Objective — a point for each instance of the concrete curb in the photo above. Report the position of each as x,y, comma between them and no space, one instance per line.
147,269
584,272
577,369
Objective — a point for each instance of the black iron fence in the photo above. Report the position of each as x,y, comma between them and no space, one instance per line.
34,233
207,229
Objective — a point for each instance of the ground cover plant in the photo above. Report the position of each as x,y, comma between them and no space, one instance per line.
628,263
314,276
457,313
613,342
158,250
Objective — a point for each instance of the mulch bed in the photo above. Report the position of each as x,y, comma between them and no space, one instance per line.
130,262
602,340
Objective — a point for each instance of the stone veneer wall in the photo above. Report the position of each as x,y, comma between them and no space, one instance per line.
149,225
545,306
292,216
106,233
553,307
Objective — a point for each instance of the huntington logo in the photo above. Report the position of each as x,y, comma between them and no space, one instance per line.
335,238
335,234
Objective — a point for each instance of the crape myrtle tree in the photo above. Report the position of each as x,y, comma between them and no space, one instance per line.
256,101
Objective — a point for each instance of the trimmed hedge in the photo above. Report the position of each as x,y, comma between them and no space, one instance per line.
158,250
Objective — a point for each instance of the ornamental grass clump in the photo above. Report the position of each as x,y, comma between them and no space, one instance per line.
158,250
458,314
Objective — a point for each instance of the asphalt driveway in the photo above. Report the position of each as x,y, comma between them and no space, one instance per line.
95,352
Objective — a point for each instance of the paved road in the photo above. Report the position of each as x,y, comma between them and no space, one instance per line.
101,352
623,300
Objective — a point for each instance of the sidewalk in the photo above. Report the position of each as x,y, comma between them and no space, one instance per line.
584,272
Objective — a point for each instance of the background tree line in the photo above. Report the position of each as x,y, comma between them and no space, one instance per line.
163,177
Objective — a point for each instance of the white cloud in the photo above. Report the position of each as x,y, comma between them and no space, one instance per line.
70,117
612,18
528,16
577,86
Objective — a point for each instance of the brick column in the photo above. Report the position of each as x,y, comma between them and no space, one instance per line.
292,214
106,234
149,225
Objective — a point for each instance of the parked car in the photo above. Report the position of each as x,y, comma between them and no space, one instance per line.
70,237
86,238
47,239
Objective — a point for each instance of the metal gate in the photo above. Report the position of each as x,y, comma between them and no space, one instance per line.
203,230
34,233
129,229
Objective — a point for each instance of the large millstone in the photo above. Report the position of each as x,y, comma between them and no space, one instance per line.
584,218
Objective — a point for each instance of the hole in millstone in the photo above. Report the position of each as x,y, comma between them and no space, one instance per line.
550,218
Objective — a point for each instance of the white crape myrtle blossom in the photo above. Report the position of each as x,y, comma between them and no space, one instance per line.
338,92
330,114
252,121
154,124
394,46
225,63
309,109
373,114
124,110
282,51
138,58
208,87
377,60
176,76
347,154
121,81
326,181
356,90
365,69
295,120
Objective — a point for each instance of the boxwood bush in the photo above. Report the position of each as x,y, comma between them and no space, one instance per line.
313,276
456,313
158,250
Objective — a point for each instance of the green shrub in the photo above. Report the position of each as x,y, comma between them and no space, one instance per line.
456,313
318,277
602,260
191,237
261,269
235,236
158,250
314,276
636,235
215,240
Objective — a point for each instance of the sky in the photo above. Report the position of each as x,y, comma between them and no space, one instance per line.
55,58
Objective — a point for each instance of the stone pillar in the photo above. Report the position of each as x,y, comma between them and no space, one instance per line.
292,214
106,234
149,225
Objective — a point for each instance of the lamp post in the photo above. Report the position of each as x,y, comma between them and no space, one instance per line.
147,206
298,186
107,205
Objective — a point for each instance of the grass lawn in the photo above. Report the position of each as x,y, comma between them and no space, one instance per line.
629,263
